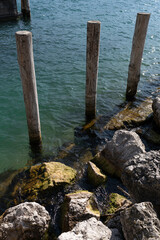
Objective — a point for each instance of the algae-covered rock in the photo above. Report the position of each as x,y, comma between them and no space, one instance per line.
95,175
105,165
41,179
115,203
78,206
131,116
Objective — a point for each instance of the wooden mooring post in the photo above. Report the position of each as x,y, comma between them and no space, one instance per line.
136,54
92,60
27,72
25,8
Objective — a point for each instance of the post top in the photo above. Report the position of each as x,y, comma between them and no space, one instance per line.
94,22
143,13
23,33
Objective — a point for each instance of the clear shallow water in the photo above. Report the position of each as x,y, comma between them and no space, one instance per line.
59,42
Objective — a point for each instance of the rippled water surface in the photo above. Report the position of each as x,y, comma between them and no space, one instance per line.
59,41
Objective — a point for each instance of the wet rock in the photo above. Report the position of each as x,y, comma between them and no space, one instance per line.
123,146
65,151
41,180
90,229
77,207
156,111
140,222
142,177
95,176
130,117
27,220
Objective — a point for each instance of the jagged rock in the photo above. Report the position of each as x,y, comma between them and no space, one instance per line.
90,229
77,207
95,176
140,222
27,220
142,177
39,180
123,146
131,116
156,110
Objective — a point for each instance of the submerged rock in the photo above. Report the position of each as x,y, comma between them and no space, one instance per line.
40,180
142,177
77,207
123,146
131,116
156,111
140,222
90,229
95,176
27,220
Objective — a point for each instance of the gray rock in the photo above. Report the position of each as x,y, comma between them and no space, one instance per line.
116,235
156,110
27,220
142,177
90,229
140,222
116,227
78,206
123,146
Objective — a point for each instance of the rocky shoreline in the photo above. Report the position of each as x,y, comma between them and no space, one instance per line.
108,191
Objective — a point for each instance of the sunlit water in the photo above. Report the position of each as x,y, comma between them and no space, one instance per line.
59,42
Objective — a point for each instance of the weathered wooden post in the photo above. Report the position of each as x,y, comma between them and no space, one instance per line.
25,8
92,59
27,72
136,54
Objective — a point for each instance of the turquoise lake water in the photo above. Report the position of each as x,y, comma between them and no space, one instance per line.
59,42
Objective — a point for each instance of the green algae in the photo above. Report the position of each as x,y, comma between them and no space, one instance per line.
105,165
131,116
41,179
95,175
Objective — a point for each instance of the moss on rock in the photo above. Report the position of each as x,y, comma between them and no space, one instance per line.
105,165
131,116
115,203
41,179
78,206
95,175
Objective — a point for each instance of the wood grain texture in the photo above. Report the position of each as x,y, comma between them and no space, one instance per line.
27,72
25,8
136,54
92,59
